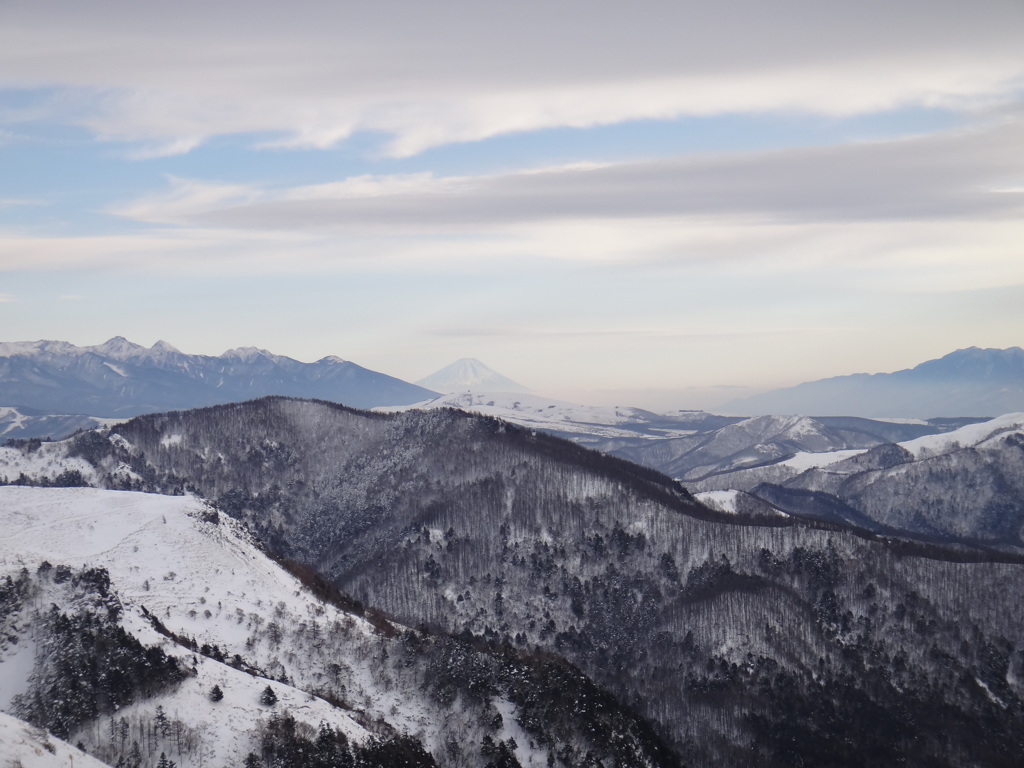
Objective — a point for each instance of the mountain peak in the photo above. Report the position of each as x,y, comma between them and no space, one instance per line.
247,354
469,373
163,346
119,348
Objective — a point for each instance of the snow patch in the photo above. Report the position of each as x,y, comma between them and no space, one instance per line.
803,461
723,501
170,440
970,435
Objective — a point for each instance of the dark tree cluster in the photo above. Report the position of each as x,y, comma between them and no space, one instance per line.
92,665
286,743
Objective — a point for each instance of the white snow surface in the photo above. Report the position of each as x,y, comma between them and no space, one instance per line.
48,460
14,418
26,746
970,435
804,460
723,501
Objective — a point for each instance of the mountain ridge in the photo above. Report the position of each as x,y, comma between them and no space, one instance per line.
121,379
967,382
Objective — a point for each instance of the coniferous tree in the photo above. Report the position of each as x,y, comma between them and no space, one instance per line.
163,725
268,697
216,694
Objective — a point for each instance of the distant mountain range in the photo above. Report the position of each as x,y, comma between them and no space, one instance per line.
968,382
122,379
468,373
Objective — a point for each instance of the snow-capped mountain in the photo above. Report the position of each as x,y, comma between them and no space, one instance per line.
967,382
738,635
119,378
468,373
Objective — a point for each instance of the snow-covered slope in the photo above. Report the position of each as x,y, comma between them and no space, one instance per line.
966,484
968,436
753,442
468,373
200,579
27,746
45,462
189,581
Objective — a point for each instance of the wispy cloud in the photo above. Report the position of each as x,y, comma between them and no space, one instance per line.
178,146
185,199
958,174
462,71
6,298
921,212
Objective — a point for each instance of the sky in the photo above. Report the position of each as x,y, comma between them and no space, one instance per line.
665,204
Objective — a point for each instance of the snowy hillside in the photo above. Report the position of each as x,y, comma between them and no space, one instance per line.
201,579
26,746
468,373
965,484
752,442
192,583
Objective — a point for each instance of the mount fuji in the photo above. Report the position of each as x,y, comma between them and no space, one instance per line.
469,373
